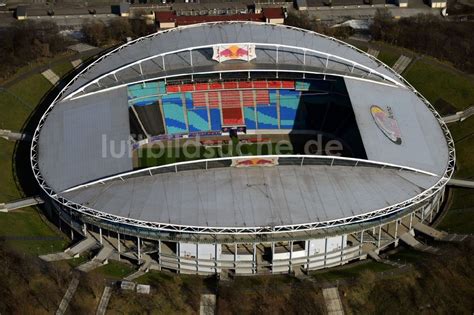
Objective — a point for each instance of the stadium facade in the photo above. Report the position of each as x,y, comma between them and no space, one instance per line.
247,214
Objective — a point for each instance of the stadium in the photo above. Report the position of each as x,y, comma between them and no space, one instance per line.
366,158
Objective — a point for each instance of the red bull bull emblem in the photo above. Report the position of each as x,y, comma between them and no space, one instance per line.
386,122
234,52
255,162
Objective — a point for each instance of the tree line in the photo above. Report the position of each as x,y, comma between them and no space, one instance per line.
305,21
28,41
428,34
98,33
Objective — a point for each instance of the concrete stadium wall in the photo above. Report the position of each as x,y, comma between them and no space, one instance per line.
249,257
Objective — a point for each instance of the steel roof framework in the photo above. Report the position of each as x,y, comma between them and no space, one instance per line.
444,178
305,54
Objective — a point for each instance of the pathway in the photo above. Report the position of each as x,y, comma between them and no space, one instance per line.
68,296
333,301
461,183
401,64
459,116
373,52
104,301
21,203
208,304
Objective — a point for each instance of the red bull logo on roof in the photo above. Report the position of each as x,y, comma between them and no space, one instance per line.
255,162
234,52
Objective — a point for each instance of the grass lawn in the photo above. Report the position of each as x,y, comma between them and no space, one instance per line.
463,134
407,255
62,68
16,104
28,223
76,261
161,156
349,271
439,81
460,217
14,111
115,269
8,189
388,57
32,89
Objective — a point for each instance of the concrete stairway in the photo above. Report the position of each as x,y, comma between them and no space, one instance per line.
411,241
71,252
99,260
55,257
81,247
439,235
144,268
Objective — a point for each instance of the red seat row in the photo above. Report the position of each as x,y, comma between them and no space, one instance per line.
230,85
231,98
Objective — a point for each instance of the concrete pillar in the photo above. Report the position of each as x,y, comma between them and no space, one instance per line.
291,256
197,257
118,242
254,269
325,250
273,254
342,248
306,244
235,255
411,221
216,265
179,257
380,234
159,253
397,222
361,242
70,225
100,235
59,221
138,248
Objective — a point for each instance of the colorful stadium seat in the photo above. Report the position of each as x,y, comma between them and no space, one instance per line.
174,114
250,119
215,114
142,90
198,120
